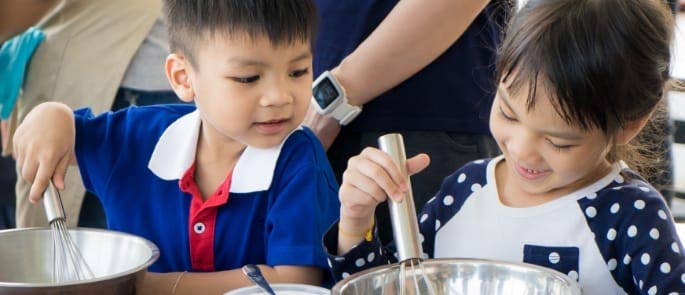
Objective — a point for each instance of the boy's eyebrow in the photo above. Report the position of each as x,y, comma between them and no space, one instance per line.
246,62
302,56
504,97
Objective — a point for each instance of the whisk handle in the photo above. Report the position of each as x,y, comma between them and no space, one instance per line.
405,227
52,201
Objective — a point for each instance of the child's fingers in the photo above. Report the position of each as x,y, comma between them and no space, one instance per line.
417,163
40,182
365,184
385,161
61,172
29,168
17,153
359,205
378,174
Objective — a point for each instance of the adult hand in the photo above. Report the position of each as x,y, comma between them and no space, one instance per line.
325,128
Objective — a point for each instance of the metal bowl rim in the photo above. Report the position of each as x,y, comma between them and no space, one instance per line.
280,287
573,284
154,255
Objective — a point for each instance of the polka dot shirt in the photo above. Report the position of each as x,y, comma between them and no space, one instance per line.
614,236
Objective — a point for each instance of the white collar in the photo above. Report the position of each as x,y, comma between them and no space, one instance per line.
175,153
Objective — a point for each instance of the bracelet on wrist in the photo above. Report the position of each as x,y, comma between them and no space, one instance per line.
178,280
367,235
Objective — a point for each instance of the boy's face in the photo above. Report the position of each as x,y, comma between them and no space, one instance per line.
544,156
248,90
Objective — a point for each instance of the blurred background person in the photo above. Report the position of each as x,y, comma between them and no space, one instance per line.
101,54
425,71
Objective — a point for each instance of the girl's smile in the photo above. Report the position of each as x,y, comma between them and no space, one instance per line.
531,174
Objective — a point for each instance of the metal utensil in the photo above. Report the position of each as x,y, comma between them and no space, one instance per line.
255,275
52,201
67,263
405,227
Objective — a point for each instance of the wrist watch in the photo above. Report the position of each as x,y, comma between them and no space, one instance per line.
329,99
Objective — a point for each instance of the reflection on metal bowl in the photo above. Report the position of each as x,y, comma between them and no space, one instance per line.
117,259
459,276
282,289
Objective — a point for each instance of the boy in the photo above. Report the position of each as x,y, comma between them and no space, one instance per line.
232,181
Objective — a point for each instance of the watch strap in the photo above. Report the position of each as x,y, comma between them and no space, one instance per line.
345,112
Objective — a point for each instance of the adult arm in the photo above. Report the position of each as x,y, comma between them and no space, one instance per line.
407,40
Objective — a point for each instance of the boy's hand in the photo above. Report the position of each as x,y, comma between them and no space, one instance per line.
369,178
44,146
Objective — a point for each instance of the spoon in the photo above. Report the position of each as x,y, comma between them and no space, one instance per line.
255,275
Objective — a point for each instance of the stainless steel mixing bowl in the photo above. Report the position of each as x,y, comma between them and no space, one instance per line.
117,259
460,276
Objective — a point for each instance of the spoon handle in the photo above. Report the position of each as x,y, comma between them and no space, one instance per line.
255,275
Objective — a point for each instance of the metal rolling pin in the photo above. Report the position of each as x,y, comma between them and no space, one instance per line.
405,227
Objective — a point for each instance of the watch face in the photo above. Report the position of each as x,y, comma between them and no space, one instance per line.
325,93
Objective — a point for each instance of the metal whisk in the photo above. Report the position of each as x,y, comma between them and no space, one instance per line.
405,227
67,263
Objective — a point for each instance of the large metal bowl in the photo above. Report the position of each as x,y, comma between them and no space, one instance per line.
460,276
117,260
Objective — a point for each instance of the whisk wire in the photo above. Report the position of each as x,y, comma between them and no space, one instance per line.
67,264
83,270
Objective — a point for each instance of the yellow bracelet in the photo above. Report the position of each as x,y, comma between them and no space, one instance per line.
367,235
178,280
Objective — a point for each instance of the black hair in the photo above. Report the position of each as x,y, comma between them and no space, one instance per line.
281,21
604,63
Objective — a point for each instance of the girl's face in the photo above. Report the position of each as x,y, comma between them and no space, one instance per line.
544,156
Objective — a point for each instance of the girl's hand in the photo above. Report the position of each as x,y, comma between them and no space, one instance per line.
370,177
44,146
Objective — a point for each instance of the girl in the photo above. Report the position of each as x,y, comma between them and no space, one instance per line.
578,80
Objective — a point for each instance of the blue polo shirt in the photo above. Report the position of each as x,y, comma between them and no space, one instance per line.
453,93
272,209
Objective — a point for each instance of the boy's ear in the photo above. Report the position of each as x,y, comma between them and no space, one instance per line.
630,130
177,69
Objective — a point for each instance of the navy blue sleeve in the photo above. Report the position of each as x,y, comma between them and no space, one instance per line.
367,254
637,238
